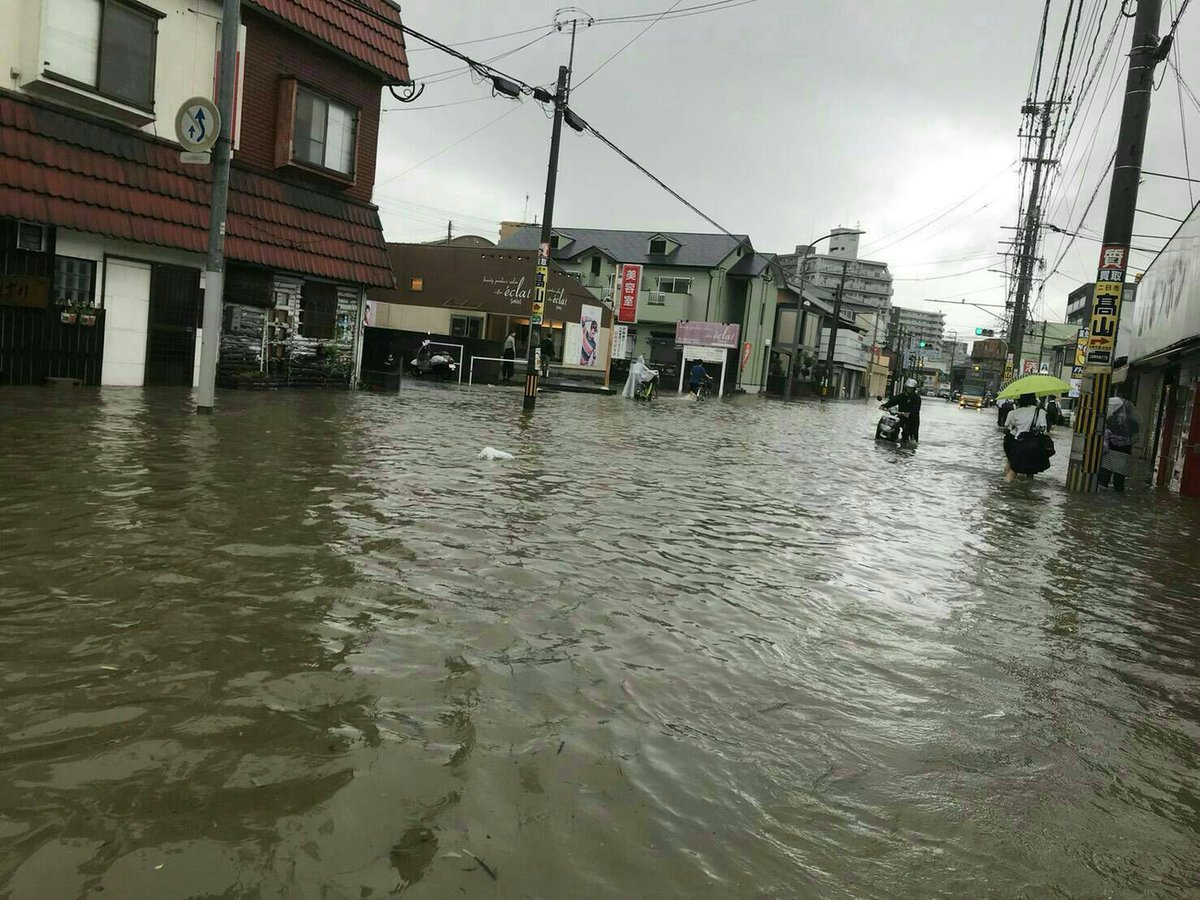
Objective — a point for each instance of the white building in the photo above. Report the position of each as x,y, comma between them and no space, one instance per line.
919,324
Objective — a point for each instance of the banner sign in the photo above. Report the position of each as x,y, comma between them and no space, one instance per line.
1028,366
620,342
539,285
708,334
746,350
1106,308
1008,367
629,282
589,342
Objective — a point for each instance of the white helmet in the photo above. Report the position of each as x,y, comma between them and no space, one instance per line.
912,382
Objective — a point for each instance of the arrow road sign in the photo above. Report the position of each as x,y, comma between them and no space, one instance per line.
197,124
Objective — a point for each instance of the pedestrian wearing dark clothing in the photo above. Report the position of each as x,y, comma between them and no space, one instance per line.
547,348
509,354
908,405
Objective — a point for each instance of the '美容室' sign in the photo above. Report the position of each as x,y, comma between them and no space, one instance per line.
24,290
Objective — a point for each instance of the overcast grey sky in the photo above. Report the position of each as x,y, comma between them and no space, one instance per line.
780,119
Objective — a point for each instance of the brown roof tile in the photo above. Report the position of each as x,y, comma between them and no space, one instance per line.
77,172
369,31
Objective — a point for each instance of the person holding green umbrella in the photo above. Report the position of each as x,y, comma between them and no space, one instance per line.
1027,448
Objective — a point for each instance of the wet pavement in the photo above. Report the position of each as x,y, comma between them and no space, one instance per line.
312,647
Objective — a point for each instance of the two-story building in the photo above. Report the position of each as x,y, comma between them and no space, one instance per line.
104,228
685,277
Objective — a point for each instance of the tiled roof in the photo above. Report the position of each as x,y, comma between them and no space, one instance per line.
73,171
369,31
695,250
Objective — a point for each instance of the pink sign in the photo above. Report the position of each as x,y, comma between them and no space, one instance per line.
708,334
629,283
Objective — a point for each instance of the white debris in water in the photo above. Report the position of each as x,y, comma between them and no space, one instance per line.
493,453
996,715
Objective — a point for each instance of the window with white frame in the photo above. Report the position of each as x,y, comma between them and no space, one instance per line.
106,46
675,285
325,132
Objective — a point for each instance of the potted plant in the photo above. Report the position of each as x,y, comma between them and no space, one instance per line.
67,315
87,316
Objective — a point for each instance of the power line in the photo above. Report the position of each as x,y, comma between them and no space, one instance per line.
633,162
449,147
626,45
494,37
942,277
673,13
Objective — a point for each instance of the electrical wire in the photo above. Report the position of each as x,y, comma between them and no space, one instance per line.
624,47
673,13
591,129
450,147
494,37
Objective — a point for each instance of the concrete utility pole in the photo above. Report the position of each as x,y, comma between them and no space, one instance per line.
543,260
833,330
1096,383
1029,237
214,269
802,271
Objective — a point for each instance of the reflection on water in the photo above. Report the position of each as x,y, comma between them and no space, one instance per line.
313,647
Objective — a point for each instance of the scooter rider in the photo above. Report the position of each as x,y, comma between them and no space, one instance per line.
908,404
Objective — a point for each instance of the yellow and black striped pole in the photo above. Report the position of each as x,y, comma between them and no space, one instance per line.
1101,348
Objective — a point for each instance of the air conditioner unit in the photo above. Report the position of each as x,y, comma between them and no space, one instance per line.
31,236
656,298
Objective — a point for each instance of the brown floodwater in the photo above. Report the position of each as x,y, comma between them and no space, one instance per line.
313,647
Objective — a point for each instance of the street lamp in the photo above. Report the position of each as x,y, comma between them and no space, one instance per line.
802,264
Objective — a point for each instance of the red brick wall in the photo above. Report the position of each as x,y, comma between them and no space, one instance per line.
273,52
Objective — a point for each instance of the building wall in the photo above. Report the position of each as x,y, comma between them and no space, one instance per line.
185,58
273,53
123,289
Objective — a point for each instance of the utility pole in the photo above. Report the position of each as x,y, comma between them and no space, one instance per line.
802,270
1029,235
214,269
833,330
1114,251
449,231
542,274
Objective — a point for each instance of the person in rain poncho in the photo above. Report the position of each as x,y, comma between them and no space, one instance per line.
639,374
1121,427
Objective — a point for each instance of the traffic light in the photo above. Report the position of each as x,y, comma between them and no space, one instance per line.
985,332
921,344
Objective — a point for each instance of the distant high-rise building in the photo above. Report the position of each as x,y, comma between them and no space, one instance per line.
868,286
920,324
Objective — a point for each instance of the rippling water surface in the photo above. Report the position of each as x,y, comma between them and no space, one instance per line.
312,647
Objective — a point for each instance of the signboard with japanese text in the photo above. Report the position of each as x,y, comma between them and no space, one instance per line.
629,282
1080,355
24,290
621,345
541,277
708,334
1106,309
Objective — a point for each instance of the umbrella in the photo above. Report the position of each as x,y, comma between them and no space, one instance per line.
1039,385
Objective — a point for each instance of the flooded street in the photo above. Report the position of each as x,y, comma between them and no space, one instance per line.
312,647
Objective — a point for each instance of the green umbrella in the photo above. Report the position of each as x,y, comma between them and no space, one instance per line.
1038,385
